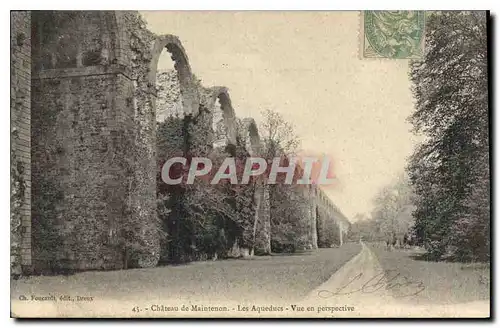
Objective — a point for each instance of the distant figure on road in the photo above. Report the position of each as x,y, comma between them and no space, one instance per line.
406,241
391,242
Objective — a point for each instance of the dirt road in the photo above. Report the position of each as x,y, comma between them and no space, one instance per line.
362,283
345,282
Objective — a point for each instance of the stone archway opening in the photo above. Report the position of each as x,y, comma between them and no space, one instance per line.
175,94
253,142
262,224
175,102
168,89
223,117
180,92
218,126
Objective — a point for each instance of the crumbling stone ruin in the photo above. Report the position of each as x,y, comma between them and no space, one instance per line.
84,105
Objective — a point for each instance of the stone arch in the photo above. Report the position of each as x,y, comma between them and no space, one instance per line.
228,114
253,133
189,91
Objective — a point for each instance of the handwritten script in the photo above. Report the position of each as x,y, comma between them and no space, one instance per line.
400,285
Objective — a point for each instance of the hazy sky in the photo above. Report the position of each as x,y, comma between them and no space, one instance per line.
307,66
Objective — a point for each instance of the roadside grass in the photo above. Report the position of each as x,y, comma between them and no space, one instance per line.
445,282
263,278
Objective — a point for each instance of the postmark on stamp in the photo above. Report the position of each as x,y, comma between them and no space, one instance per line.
393,34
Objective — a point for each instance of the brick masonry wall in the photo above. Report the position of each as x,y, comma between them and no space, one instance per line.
93,144
21,119
328,232
310,198
79,183
263,231
332,225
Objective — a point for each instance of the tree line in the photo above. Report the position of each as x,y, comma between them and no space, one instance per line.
391,220
444,203
450,171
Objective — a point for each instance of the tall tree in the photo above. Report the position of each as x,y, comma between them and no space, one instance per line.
392,214
450,171
289,229
278,135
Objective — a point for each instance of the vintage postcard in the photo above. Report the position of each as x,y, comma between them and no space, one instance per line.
250,164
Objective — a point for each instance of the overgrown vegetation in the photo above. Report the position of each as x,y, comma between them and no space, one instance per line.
206,221
450,170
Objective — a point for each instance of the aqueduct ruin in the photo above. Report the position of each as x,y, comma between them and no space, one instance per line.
83,106
189,93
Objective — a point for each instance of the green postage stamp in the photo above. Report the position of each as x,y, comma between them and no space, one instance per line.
393,34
